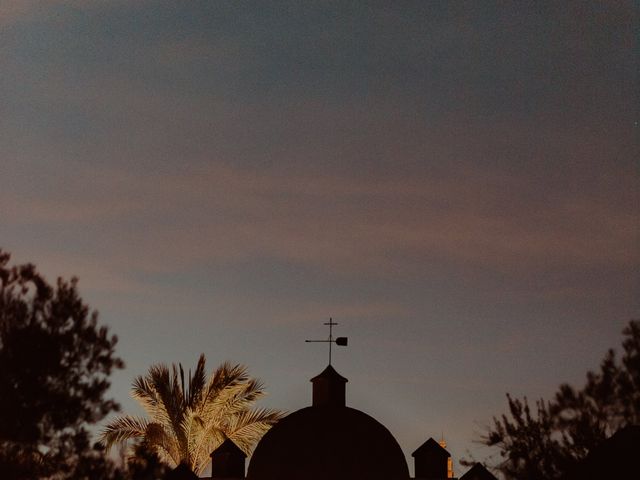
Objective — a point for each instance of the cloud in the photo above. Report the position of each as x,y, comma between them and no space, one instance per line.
169,150
223,214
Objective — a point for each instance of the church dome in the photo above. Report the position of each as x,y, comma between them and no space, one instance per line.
328,441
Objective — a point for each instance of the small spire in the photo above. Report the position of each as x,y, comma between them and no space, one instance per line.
342,341
442,441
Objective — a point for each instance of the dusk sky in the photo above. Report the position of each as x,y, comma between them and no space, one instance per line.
455,183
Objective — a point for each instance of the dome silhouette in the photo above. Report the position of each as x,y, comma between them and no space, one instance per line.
328,440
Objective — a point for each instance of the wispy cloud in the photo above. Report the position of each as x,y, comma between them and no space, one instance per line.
218,213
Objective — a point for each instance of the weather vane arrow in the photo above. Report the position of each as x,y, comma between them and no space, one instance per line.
342,341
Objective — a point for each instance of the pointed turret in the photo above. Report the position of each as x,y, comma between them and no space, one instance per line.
431,460
227,461
478,472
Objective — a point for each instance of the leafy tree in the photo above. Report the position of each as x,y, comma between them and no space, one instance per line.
546,444
186,424
93,464
54,366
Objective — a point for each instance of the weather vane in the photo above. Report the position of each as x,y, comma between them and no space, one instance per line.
342,341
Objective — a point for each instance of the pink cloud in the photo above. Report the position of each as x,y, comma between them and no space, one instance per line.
223,214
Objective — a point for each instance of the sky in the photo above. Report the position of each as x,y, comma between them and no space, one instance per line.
456,184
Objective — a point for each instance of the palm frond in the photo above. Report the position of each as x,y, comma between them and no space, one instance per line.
192,427
122,429
233,400
164,442
207,443
225,376
188,420
197,383
165,456
144,391
170,394
246,428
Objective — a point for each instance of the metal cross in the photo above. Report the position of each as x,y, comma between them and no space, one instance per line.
342,341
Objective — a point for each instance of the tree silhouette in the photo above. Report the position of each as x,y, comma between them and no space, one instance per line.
144,464
54,366
188,422
547,443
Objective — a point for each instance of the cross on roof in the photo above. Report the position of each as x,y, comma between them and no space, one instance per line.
342,341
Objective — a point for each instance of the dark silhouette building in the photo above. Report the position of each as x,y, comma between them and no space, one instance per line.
431,460
478,472
330,440
227,461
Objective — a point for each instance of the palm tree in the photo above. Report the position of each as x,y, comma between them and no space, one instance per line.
186,424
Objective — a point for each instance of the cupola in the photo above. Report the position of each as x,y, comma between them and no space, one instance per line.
328,440
329,389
